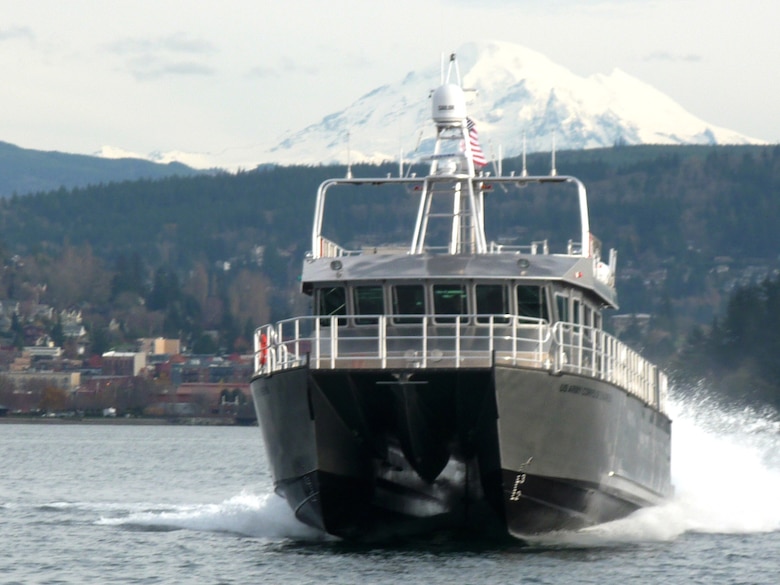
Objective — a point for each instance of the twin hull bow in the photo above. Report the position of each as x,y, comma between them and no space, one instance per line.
371,454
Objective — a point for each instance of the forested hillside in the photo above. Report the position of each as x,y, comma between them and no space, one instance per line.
738,355
222,252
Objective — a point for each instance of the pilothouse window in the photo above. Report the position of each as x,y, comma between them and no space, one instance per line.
449,299
531,302
369,300
408,299
562,302
491,299
332,301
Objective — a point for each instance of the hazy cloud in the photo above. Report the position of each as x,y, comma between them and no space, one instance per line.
673,57
16,32
322,60
178,43
281,67
156,58
144,70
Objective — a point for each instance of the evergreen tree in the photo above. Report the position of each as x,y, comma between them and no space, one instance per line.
128,276
165,290
18,331
100,340
57,334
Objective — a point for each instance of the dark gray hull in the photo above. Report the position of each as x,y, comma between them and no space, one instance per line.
371,454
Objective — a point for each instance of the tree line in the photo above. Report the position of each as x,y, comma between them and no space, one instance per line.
209,309
737,355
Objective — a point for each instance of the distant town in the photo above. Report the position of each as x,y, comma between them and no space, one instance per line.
158,379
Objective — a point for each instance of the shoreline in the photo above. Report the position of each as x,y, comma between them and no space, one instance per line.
108,421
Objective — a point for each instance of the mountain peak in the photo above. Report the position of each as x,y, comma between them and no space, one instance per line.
519,91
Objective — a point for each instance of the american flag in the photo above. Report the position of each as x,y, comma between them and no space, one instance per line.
476,150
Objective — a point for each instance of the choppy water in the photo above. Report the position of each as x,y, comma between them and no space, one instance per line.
174,504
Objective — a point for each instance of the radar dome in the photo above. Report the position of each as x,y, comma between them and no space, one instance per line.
449,104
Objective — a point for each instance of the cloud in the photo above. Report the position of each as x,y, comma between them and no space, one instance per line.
283,66
177,43
16,32
323,59
673,57
144,70
160,57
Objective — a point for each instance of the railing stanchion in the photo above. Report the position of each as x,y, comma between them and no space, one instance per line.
491,344
457,341
334,325
383,341
297,333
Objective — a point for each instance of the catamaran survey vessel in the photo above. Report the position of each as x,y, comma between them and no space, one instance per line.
456,382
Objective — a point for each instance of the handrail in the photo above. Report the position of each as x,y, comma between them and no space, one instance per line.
592,352
322,247
456,341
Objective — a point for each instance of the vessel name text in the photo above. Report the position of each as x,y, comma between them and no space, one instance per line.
586,391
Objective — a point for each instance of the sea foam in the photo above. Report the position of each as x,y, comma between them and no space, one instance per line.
264,516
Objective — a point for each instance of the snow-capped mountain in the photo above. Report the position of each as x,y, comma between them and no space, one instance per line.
519,92
194,160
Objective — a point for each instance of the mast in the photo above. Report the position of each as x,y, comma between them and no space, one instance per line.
453,174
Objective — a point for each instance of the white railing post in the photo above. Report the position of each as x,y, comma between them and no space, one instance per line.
383,340
603,355
282,355
334,322
297,335
425,341
457,341
491,333
317,342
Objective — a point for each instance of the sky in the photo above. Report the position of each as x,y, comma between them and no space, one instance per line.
226,80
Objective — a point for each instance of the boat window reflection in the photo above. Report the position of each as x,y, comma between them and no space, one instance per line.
491,299
531,302
332,301
449,299
408,299
369,300
562,303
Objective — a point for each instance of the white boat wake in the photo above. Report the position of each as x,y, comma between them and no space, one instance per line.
726,473
264,516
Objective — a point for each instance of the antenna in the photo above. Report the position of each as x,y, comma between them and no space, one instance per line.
553,172
454,62
349,158
525,167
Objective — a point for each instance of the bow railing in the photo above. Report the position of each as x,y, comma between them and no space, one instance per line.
455,341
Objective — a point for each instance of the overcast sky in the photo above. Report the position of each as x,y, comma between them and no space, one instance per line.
229,78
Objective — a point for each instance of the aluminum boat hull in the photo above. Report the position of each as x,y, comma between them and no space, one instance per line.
373,454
